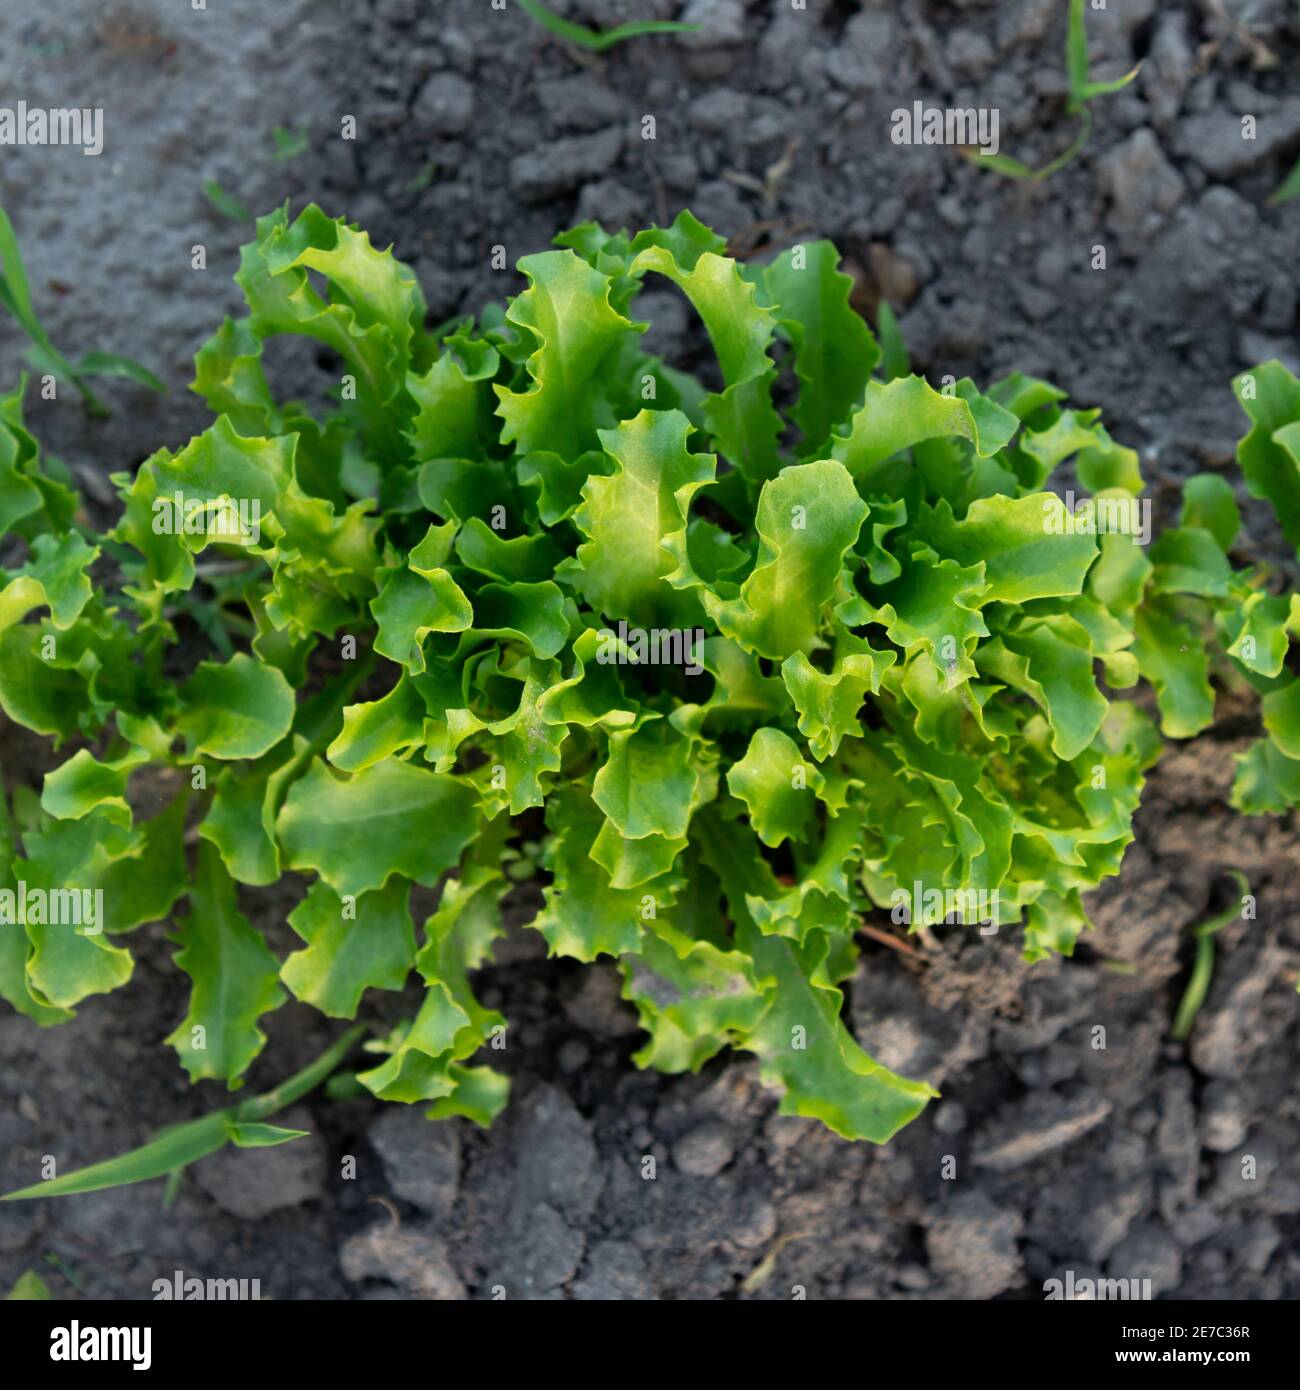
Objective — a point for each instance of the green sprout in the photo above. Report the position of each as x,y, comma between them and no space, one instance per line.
1083,91
225,203
43,355
175,1148
421,180
593,40
1198,985
289,144
57,1263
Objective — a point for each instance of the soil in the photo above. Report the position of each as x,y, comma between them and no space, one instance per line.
1072,1133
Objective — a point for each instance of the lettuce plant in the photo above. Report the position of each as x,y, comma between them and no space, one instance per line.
1255,626
753,653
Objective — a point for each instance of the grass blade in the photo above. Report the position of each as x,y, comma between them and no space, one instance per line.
1198,984
114,364
225,203
15,295
1013,168
18,298
1000,164
174,1149
1114,84
639,27
591,39
1289,188
182,1145
48,360
298,1085
1076,55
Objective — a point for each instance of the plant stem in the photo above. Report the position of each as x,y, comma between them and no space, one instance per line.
1198,984
298,1085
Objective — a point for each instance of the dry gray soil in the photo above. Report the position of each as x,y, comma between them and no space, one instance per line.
477,129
